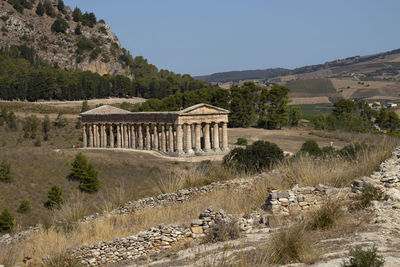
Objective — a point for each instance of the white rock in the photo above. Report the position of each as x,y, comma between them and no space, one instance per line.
394,194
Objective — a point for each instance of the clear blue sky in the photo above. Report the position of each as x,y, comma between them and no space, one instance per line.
207,36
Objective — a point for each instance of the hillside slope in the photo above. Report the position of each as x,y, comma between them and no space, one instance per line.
373,77
93,47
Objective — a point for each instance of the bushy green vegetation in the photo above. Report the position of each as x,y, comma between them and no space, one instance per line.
257,157
325,216
84,172
364,258
24,76
348,152
348,116
369,193
24,206
55,198
241,141
249,104
6,221
5,171
311,148
60,25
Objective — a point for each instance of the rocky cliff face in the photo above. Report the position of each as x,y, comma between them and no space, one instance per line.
95,48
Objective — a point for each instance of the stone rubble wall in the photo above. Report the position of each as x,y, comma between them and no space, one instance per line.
296,200
152,241
180,196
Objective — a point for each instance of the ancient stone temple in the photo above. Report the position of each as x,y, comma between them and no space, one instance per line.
197,130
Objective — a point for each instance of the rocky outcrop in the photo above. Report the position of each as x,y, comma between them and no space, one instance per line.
59,49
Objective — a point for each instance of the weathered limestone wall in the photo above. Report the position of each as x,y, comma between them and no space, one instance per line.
300,199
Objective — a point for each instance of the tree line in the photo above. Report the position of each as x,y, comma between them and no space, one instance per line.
24,76
358,117
250,105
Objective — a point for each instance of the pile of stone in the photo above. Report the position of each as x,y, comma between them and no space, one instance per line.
207,219
292,202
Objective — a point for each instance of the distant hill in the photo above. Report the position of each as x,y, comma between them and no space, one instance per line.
374,76
235,76
384,66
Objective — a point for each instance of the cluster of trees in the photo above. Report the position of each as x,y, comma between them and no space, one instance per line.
353,116
20,5
24,76
47,8
87,19
250,105
348,152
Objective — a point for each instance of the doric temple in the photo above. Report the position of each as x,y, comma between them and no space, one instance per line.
197,130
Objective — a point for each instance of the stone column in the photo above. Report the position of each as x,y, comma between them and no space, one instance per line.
155,144
118,135
224,136
111,135
163,139
84,136
179,139
96,136
188,139
140,136
148,137
103,136
90,130
216,138
133,136
207,144
126,140
170,138
198,138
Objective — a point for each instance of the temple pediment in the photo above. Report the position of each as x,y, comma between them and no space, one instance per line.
203,109
105,110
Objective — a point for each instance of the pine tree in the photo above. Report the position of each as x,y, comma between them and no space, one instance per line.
54,198
85,106
5,171
24,206
40,9
78,30
85,173
12,121
6,221
60,5
89,181
77,14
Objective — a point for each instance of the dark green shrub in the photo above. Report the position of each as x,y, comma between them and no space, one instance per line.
351,151
368,194
5,171
60,25
259,156
55,198
364,258
6,221
311,147
24,206
85,45
241,141
84,172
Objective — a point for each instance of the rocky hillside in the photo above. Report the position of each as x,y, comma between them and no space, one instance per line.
61,36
